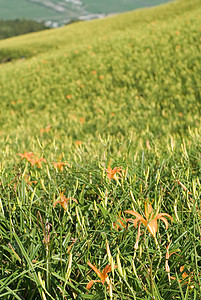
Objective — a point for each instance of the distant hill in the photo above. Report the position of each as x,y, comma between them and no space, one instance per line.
9,28
59,12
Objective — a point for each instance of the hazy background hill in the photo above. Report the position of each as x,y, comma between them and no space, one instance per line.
58,12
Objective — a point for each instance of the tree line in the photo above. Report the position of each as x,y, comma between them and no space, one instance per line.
9,28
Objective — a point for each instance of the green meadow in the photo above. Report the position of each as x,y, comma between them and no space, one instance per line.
100,158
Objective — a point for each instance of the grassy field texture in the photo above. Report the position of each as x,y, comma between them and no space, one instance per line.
100,123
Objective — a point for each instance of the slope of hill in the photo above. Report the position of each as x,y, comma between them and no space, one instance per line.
144,64
124,90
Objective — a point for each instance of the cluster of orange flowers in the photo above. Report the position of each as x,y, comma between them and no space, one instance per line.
149,220
63,201
32,158
60,165
46,129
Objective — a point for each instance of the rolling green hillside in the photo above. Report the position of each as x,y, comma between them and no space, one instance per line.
100,158
149,70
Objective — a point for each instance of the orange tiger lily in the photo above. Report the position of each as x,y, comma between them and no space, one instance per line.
120,223
150,221
37,161
102,275
64,201
112,173
60,165
27,155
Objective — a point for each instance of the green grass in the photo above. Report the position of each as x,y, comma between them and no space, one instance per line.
124,89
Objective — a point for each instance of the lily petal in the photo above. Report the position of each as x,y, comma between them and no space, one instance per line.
148,210
100,275
165,221
89,285
106,270
55,203
164,214
138,216
153,227
134,213
134,221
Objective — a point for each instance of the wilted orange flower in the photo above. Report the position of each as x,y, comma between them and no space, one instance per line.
150,221
101,76
63,201
185,275
68,96
112,173
27,155
167,256
103,276
93,72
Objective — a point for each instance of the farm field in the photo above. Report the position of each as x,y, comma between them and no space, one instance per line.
63,11
100,158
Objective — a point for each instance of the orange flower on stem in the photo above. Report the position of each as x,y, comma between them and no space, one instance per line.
102,275
34,160
185,277
120,223
46,129
112,173
167,256
63,201
27,155
60,165
37,161
150,221
78,143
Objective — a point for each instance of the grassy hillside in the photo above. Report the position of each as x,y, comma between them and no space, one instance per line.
124,90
